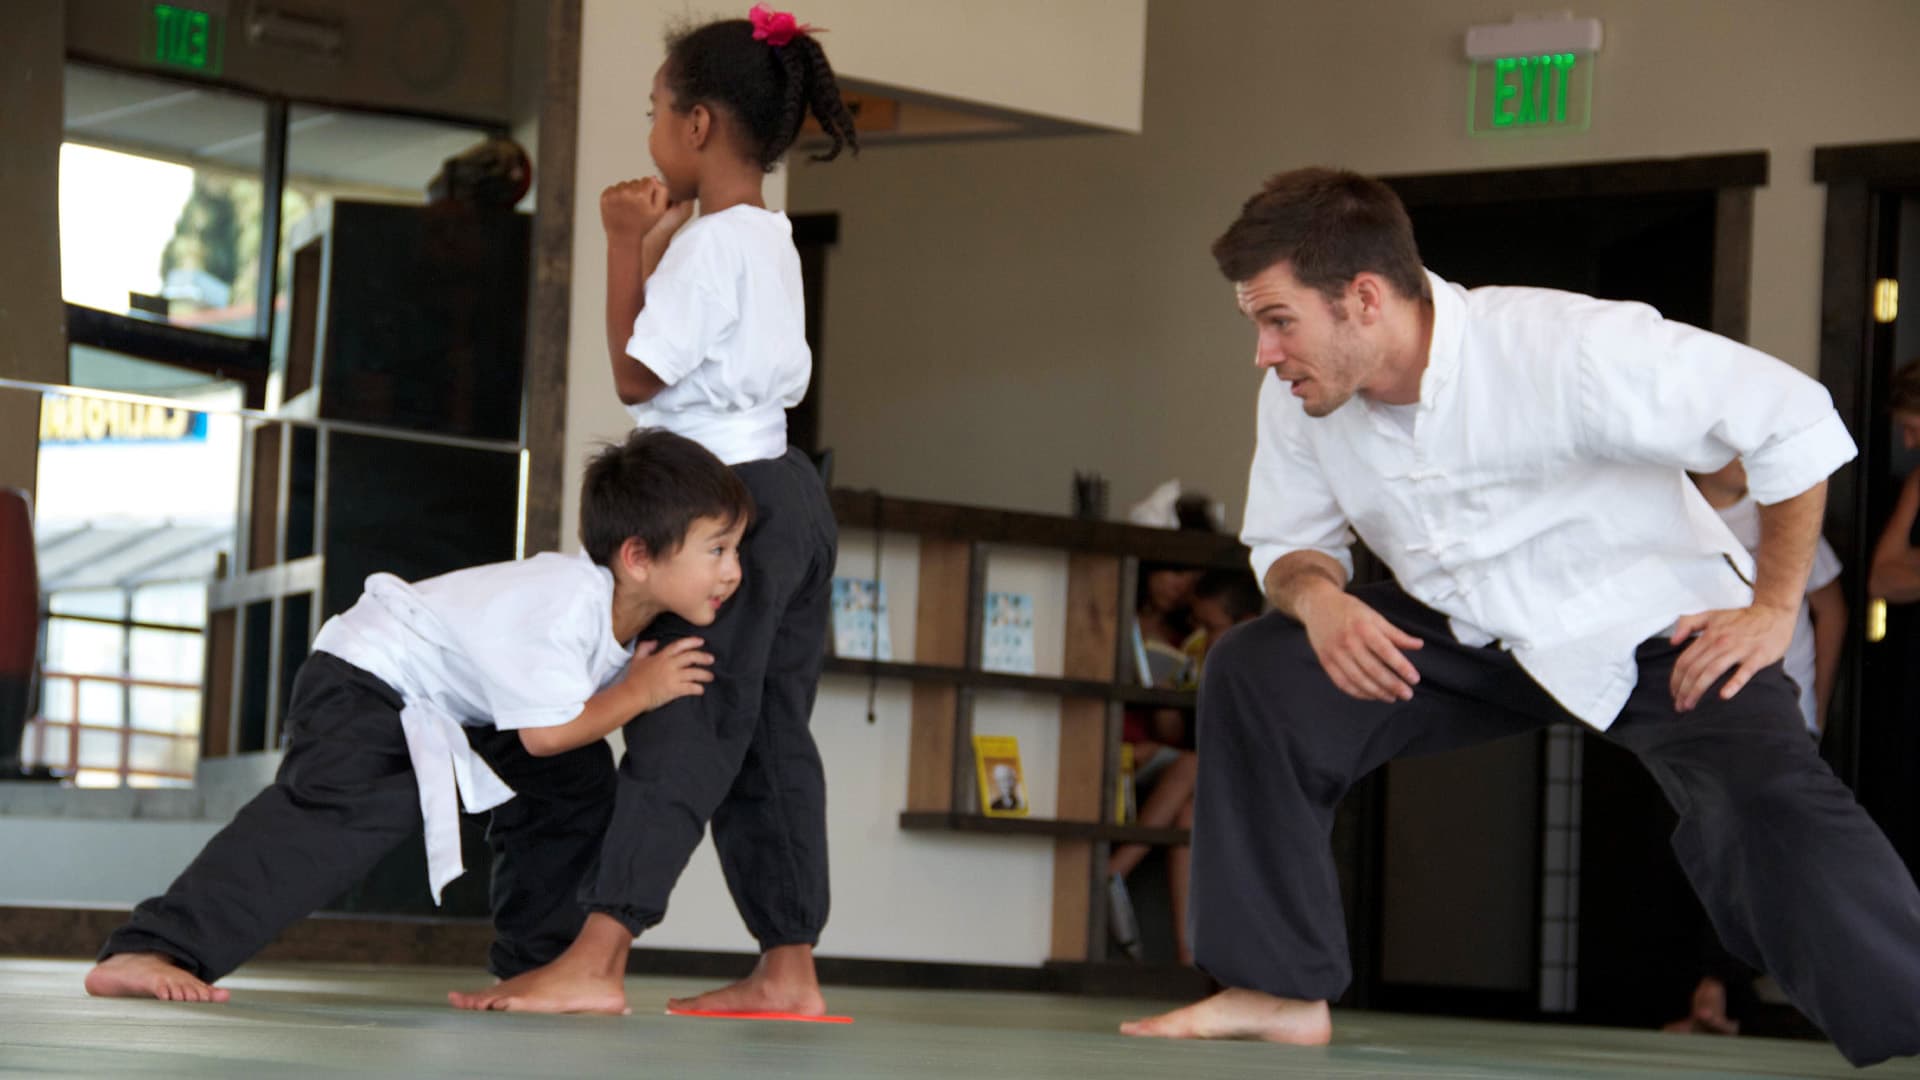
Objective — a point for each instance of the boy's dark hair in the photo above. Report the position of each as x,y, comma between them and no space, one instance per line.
1329,225
652,487
1904,396
1238,593
767,89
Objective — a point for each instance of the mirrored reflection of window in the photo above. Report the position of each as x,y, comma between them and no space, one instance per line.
160,200
135,507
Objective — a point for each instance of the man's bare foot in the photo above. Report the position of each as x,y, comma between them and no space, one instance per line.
782,982
148,975
587,978
1241,1014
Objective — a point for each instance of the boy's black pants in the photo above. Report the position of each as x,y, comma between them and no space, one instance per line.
1795,877
344,796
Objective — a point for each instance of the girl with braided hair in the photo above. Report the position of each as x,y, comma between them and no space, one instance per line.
705,332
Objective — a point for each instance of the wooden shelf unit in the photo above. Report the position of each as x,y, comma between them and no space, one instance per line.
1095,686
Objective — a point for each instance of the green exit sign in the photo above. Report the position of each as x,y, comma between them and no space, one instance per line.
187,38
1515,94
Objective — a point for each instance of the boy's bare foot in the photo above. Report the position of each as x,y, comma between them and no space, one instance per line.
782,982
587,978
148,975
1241,1014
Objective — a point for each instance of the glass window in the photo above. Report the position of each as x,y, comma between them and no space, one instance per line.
137,504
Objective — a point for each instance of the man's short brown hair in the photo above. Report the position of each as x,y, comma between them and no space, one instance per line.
1329,225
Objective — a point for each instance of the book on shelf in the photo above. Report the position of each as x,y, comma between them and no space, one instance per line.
1003,786
860,625
1126,800
1007,633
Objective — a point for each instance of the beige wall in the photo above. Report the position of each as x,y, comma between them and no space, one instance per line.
1000,314
1075,60
33,342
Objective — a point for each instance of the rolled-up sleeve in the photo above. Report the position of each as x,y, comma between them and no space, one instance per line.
1289,505
1661,392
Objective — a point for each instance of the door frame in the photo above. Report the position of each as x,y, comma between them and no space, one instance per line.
1856,177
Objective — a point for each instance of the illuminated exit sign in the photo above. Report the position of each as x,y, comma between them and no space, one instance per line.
187,38
1532,74
1512,94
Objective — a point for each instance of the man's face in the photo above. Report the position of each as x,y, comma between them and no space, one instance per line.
1306,341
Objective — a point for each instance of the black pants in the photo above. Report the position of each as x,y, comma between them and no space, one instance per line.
1795,877
741,755
345,795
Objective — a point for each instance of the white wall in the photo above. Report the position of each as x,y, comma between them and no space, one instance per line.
1001,314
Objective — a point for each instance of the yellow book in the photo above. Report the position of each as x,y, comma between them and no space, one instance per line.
1003,787
1124,810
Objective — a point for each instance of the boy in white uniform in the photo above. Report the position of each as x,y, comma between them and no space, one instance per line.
381,714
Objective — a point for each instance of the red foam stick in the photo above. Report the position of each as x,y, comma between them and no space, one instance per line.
720,1014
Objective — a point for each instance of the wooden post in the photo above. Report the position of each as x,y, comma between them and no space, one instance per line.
940,636
1093,604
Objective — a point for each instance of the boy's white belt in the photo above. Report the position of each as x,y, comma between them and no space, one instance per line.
449,774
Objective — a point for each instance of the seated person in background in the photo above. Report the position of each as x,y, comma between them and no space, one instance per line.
1896,558
542,649
1221,599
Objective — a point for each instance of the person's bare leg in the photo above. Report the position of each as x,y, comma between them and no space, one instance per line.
783,981
149,975
1171,792
1709,1013
1179,871
588,978
1241,1014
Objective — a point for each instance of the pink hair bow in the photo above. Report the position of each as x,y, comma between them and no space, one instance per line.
776,28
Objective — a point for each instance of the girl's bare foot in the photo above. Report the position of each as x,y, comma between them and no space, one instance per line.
588,978
148,975
782,982
556,988
1242,1014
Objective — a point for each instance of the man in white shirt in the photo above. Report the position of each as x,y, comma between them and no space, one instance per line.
1518,459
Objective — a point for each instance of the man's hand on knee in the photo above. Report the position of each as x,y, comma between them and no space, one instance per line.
1363,653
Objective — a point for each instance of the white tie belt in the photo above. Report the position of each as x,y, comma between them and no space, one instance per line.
449,774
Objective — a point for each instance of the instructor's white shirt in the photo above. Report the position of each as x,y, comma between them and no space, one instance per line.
1541,499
